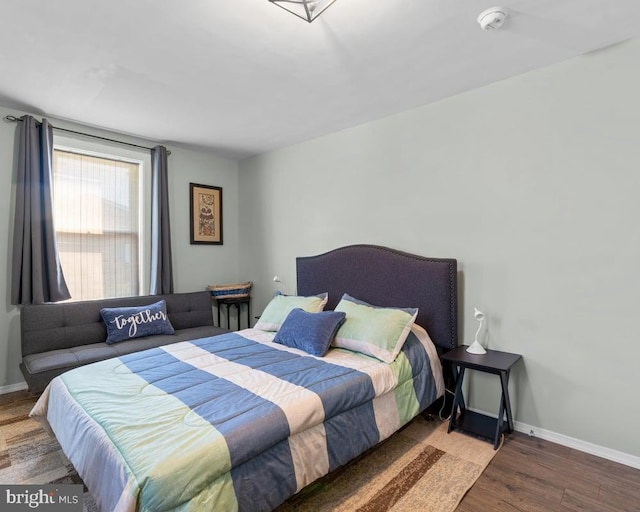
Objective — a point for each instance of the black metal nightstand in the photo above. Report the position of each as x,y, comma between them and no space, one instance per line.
497,363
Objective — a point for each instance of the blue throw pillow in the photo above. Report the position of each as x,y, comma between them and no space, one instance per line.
311,332
134,322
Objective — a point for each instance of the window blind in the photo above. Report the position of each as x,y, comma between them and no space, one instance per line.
97,222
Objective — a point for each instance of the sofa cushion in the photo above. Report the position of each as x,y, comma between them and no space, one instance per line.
45,327
85,354
55,362
56,338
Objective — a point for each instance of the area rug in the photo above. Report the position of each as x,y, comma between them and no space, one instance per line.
419,468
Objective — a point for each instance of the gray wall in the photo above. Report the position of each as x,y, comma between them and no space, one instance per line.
195,266
532,183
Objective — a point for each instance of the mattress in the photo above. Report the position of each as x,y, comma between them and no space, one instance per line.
231,422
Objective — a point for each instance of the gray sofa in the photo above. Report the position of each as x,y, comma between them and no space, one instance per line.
59,337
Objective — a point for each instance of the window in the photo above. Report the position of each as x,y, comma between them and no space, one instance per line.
99,223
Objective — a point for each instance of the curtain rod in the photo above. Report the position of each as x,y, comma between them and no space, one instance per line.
14,119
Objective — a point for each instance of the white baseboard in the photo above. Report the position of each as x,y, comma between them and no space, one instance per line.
583,446
571,442
12,388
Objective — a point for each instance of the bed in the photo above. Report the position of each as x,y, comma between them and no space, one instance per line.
237,422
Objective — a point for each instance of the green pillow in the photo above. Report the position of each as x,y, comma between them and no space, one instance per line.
281,305
374,331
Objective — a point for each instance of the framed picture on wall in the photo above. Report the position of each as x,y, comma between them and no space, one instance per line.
206,214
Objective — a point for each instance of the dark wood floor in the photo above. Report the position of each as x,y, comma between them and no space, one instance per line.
530,474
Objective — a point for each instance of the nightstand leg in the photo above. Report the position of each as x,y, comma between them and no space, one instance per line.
500,422
456,376
504,380
458,400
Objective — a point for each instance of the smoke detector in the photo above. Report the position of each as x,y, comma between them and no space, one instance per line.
493,18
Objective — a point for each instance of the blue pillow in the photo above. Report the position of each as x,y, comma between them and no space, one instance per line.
134,322
311,332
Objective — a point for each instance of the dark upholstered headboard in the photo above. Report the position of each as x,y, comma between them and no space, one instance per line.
386,277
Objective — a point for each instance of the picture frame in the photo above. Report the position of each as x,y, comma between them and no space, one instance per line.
206,214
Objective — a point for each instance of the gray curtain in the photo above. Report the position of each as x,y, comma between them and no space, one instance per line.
161,271
36,272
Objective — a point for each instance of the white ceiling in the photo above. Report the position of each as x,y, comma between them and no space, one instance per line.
243,77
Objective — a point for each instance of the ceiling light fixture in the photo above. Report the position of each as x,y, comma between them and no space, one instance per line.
308,10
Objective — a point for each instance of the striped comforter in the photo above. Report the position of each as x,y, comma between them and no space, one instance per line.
232,422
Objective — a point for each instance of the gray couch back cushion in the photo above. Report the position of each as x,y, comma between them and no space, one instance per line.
47,327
